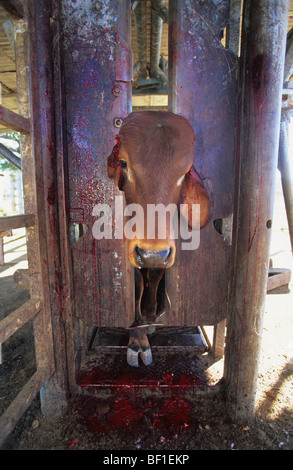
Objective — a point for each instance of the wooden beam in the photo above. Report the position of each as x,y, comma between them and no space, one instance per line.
14,121
14,7
17,221
20,404
219,339
13,322
278,278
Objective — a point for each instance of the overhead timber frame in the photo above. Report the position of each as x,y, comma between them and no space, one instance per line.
51,121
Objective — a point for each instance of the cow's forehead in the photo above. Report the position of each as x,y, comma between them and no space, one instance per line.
151,137
149,120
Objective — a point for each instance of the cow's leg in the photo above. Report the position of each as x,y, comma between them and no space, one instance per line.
146,291
152,278
138,340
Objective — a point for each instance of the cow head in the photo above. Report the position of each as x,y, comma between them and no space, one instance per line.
152,163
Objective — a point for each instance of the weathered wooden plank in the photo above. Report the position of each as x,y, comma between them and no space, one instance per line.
21,403
10,324
14,121
17,221
219,339
278,278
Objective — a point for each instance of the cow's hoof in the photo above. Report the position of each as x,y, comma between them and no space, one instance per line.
144,352
132,356
146,355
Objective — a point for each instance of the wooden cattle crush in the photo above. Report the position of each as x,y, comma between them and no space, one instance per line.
74,76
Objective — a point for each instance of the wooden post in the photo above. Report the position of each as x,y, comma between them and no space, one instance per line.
261,78
53,393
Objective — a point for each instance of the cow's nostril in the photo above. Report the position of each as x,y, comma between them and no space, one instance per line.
152,259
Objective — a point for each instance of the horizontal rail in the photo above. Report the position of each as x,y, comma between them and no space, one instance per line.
14,121
21,403
13,322
17,221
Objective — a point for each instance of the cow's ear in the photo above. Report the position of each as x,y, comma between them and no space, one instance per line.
193,191
114,166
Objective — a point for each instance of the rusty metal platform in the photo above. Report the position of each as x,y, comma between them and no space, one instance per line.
162,337
178,365
112,395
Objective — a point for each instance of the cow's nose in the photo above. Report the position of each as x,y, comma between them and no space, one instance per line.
152,259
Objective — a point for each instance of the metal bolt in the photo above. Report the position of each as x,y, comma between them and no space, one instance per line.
117,122
117,90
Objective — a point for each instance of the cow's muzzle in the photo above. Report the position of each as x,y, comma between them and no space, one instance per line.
153,259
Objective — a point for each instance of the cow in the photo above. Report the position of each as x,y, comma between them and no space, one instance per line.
152,163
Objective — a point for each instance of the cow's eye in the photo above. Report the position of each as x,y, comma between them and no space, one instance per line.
123,163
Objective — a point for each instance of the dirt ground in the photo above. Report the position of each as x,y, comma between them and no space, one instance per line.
181,421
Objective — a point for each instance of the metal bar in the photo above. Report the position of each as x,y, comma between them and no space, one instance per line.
13,322
233,30
10,157
14,121
21,403
17,221
260,89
